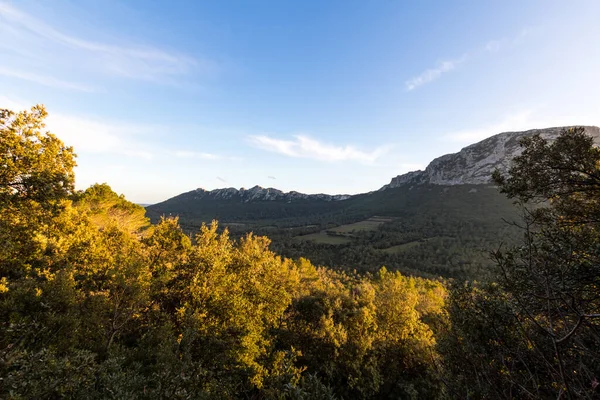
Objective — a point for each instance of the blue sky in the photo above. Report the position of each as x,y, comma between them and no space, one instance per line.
162,97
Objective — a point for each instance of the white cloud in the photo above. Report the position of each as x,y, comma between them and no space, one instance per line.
46,55
44,80
90,135
492,46
195,154
305,147
432,74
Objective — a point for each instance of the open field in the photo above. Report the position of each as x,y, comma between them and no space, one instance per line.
370,224
380,218
292,228
323,238
403,247
343,233
435,240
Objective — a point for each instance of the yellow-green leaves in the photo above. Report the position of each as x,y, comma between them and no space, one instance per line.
96,303
34,165
105,208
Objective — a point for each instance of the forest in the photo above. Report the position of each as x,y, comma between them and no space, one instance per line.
424,230
98,302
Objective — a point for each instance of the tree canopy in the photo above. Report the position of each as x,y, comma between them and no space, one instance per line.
535,331
97,303
36,165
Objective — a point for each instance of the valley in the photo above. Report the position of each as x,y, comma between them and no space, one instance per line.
440,222
426,230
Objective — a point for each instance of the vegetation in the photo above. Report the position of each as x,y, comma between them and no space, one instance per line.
534,332
463,221
97,302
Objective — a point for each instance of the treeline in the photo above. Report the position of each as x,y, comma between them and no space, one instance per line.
534,331
446,247
96,302
464,223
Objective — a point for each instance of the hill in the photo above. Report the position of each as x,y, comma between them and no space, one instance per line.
440,221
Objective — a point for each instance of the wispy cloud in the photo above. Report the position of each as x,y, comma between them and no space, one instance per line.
492,46
49,56
221,179
91,135
431,74
306,147
271,177
195,154
44,80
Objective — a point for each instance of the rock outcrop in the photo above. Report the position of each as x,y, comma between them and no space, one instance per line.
475,163
258,193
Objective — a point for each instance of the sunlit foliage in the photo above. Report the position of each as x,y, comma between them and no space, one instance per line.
97,303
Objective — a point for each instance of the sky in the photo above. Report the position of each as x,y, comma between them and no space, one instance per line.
337,96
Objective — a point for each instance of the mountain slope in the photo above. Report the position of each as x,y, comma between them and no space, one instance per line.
258,193
233,205
440,221
475,163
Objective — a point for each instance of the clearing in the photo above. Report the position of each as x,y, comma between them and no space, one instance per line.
324,238
343,234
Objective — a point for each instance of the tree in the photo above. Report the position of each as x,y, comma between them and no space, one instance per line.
34,165
36,176
536,332
97,303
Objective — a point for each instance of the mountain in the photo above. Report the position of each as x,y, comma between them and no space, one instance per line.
442,221
244,205
475,163
258,193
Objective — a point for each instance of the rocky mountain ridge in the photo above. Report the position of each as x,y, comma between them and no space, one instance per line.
472,165
258,193
475,164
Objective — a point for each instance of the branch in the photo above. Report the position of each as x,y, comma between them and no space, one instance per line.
577,325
